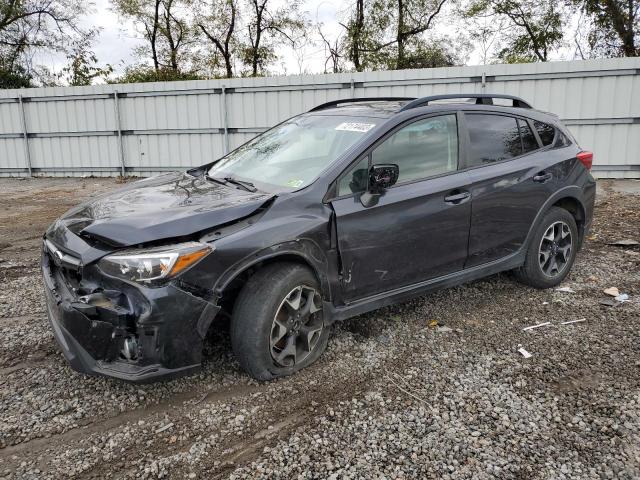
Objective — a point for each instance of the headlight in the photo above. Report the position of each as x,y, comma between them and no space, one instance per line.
154,263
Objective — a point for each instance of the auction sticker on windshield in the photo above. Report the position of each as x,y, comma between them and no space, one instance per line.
355,127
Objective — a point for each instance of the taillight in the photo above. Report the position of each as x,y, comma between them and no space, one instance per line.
586,158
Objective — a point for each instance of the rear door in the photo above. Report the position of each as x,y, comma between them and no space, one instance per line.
419,227
511,178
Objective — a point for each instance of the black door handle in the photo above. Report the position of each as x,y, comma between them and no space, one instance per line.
456,197
542,177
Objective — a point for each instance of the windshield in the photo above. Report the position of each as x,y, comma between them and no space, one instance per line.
291,155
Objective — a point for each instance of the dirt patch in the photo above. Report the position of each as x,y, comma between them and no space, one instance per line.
584,379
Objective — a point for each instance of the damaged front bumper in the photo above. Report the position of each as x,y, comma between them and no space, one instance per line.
131,332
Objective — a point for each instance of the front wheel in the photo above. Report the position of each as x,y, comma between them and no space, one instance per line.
552,250
278,326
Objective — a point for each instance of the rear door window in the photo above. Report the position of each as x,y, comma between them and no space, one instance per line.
493,138
529,142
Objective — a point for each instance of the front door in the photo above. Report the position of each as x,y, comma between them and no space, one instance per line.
419,228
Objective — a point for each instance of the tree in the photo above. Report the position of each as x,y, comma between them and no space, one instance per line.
391,34
268,28
615,26
356,36
486,34
333,51
83,64
535,27
367,29
217,22
174,30
413,18
27,26
164,27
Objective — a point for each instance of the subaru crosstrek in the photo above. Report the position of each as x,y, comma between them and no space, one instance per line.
354,205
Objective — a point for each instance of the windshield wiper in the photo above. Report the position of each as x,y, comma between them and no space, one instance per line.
248,186
221,181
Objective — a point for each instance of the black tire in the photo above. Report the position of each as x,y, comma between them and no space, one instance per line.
533,272
253,323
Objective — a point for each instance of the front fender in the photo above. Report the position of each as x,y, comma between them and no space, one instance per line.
304,250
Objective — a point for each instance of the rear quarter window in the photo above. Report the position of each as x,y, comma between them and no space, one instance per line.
562,140
545,131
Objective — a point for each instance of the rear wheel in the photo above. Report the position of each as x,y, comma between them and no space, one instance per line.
278,326
552,250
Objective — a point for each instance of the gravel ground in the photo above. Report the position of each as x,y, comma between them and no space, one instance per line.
393,396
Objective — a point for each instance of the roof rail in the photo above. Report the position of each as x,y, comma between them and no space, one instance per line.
335,103
481,99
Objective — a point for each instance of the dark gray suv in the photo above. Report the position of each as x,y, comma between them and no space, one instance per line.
357,204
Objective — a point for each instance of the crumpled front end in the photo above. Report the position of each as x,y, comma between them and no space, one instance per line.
107,326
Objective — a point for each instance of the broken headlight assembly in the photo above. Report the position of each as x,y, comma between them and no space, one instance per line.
153,264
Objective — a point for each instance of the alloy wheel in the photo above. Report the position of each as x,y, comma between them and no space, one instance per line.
297,326
555,249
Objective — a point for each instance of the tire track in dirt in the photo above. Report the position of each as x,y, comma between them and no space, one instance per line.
13,356
279,423
76,436
37,361
279,420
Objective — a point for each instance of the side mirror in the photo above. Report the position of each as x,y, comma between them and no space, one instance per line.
381,177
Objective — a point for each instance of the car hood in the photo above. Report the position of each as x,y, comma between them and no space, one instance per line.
162,207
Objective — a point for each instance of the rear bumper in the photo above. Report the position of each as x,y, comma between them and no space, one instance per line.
168,334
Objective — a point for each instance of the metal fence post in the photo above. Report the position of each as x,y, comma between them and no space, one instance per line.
353,88
225,120
25,135
119,132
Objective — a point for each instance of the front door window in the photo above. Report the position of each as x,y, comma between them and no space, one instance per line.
422,149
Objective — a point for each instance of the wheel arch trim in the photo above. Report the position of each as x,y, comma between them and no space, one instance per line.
304,251
572,192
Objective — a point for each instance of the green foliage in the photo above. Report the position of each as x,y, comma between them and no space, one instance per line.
615,28
533,28
506,55
257,59
146,73
430,55
16,78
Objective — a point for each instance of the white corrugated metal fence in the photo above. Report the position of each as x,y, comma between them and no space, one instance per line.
143,129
